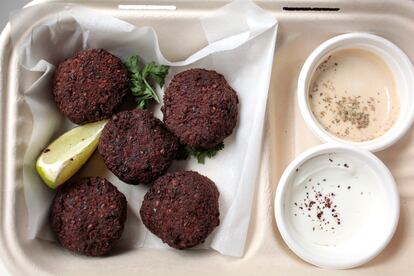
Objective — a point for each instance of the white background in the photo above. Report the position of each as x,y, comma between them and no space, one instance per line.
6,6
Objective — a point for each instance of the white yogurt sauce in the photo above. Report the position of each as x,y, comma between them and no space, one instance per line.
331,198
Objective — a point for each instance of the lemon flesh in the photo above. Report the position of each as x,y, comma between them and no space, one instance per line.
67,154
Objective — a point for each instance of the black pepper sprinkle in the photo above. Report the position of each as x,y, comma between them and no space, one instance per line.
46,150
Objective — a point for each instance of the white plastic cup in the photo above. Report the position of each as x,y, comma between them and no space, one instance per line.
400,66
358,253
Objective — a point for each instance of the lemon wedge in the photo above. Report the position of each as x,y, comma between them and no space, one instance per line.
67,154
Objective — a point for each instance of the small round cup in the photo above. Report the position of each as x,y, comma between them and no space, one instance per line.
400,66
375,235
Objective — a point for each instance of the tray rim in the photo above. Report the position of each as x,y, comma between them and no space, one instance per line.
9,257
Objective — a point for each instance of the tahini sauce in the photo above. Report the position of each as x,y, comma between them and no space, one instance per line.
353,95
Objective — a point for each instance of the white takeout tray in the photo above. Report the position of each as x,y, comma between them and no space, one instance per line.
286,135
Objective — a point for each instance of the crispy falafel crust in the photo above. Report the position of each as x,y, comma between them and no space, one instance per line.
88,216
200,108
181,208
137,147
90,86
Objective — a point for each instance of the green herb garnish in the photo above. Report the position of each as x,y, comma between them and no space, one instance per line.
199,154
141,76
202,154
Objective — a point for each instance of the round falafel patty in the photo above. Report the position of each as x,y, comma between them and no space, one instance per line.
90,86
137,147
88,216
200,108
181,208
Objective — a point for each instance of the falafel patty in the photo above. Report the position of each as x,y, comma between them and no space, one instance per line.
200,108
137,147
90,86
88,216
181,208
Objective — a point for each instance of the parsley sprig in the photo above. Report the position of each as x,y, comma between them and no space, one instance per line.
201,155
141,76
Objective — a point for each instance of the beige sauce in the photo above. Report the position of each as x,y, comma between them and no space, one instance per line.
353,95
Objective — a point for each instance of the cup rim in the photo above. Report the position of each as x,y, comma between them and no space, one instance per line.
392,196
379,143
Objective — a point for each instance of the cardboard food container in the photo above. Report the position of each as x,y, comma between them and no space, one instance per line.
303,25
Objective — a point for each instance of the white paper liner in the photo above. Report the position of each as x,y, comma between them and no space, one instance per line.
241,45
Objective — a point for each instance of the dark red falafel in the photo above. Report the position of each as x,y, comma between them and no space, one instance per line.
90,86
88,216
200,108
137,147
181,208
